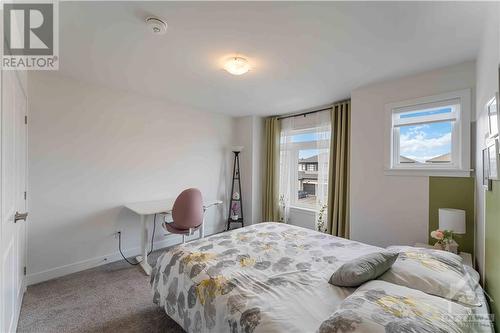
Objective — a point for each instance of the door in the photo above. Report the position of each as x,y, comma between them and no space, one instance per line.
13,199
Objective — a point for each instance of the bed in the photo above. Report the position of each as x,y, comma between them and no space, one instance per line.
268,277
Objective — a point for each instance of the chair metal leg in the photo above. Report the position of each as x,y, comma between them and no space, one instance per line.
183,239
202,229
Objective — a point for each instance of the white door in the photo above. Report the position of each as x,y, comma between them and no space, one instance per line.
13,199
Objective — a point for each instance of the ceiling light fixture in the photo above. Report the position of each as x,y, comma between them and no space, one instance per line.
237,65
157,26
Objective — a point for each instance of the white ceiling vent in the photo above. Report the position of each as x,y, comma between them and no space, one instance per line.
157,26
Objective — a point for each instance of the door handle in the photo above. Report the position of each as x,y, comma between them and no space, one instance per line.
20,216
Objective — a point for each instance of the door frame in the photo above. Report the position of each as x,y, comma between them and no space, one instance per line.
23,285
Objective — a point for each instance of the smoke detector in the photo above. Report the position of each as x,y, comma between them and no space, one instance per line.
157,26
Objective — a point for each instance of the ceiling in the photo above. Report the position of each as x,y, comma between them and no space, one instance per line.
303,54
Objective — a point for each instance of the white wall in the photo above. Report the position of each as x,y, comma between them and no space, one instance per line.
92,150
487,64
257,173
249,133
387,210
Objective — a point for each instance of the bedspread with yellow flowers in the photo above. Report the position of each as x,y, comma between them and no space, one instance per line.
383,307
267,277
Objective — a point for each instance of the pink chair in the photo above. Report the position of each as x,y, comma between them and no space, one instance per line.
187,214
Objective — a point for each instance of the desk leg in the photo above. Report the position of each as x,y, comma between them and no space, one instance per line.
144,248
202,229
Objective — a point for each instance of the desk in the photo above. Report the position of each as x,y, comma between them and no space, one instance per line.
146,208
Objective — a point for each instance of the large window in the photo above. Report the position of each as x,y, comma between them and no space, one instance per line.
304,156
430,135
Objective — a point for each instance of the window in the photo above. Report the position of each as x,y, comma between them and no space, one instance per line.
431,135
492,109
304,156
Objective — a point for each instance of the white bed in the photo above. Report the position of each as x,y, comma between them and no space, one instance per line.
269,277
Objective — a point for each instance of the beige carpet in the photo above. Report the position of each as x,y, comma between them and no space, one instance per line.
112,298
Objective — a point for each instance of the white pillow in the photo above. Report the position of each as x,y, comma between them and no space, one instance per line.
382,307
474,275
434,272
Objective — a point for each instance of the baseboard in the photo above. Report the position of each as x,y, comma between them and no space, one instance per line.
60,271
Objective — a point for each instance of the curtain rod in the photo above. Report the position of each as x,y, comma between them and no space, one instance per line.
312,111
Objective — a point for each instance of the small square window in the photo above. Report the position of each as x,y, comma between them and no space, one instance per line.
430,134
426,141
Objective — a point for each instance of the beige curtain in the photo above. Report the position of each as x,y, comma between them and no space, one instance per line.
338,187
270,204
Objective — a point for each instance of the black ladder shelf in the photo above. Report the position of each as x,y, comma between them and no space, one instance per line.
236,178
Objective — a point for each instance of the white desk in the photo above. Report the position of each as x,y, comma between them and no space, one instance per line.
146,208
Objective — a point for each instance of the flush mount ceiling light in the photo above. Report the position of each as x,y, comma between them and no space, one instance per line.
237,65
157,26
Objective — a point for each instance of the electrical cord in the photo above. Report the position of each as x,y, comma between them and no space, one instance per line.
151,249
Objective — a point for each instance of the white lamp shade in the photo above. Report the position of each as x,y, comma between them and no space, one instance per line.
452,219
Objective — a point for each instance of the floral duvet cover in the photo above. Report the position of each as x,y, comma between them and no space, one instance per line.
268,277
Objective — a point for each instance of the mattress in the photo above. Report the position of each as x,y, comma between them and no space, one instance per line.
268,277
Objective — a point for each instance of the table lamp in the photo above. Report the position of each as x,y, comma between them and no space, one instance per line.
452,220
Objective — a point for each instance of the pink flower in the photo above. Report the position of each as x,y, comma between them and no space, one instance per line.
437,234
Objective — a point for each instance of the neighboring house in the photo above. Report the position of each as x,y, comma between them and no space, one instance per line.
308,176
445,158
404,159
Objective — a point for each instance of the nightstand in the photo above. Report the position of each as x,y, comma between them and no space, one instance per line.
467,257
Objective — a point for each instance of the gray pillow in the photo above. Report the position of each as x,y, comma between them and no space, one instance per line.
362,269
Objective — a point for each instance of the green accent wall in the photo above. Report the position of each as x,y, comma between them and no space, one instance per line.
492,247
453,192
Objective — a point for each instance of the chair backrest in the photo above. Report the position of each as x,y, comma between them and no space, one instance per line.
188,209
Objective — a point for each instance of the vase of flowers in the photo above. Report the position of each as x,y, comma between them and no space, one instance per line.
321,220
234,211
445,240
282,208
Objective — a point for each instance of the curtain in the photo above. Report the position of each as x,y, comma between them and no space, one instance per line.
303,139
323,135
270,208
338,196
287,169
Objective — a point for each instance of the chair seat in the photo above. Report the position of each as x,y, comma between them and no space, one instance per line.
172,229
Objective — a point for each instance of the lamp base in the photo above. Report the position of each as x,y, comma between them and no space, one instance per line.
452,247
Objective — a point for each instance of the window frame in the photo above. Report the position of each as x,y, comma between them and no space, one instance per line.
460,142
493,100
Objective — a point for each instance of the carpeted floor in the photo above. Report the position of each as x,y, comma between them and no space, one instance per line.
111,298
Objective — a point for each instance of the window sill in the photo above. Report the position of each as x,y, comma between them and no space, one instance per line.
428,172
305,209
